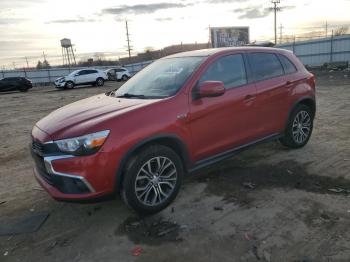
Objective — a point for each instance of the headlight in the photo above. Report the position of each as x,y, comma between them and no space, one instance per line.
83,145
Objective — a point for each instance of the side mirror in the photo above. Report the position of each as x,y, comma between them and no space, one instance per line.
211,89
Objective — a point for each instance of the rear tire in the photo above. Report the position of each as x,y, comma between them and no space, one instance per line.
152,179
299,127
100,81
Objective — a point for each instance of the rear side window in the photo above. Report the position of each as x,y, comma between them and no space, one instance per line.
265,66
288,66
229,69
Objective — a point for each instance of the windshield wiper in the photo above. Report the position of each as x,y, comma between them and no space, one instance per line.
127,95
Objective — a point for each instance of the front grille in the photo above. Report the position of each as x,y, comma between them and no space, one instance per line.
38,148
45,149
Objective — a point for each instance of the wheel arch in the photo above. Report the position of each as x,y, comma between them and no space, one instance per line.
306,100
170,140
310,102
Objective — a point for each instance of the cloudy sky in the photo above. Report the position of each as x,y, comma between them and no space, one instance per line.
29,27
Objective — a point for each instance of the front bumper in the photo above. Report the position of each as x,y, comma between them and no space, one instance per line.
60,84
65,183
67,177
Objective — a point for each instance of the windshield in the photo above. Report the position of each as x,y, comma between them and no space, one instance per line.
160,79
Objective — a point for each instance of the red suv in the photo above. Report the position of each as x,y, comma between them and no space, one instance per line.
179,114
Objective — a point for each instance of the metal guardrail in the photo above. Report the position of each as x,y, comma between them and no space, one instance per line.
48,76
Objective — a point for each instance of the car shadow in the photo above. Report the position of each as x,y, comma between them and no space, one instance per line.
12,92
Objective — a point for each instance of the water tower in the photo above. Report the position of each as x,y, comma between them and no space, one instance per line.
67,52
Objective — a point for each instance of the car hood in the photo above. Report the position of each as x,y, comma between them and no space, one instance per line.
88,115
58,79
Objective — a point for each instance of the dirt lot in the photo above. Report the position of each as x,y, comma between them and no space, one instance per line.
267,204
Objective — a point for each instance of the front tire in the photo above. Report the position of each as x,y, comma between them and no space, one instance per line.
69,85
299,127
100,81
152,179
125,78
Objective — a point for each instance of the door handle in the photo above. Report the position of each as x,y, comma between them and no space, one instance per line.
249,98
289,83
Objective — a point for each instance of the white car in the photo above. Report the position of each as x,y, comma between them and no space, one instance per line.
93,77
117,74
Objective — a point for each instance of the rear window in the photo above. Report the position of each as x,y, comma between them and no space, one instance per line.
288,66
265,66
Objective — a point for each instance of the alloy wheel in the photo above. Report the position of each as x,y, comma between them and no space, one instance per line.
301,127
155,181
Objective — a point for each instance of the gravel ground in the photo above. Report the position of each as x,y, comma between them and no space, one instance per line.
266,204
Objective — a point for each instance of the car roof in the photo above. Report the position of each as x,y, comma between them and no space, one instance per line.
213,51
112,68
81,69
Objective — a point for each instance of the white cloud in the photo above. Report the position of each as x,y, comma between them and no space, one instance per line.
28,27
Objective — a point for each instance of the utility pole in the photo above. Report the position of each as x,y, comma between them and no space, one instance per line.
275,8
128,39
44,56
326,28
14,65
281,28
209,40
26,61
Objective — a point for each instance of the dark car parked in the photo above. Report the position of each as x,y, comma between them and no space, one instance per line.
15,83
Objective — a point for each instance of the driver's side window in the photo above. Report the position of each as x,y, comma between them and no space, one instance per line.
228,69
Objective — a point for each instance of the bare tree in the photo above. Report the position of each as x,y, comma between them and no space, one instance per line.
98,56
148,49
341,31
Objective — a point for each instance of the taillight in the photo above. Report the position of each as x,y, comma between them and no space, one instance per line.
312,81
